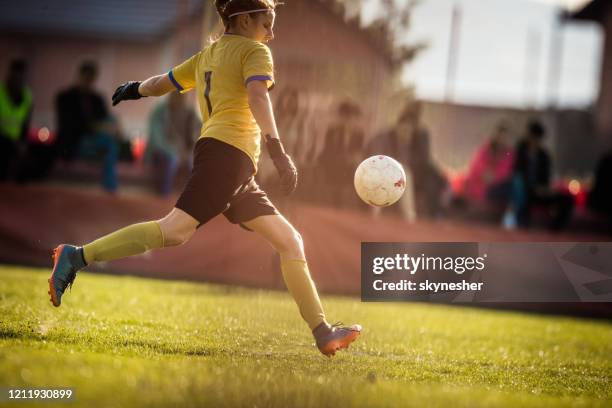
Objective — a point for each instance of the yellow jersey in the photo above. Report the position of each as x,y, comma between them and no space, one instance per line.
220,74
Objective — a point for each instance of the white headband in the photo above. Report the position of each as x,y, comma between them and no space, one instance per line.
248,12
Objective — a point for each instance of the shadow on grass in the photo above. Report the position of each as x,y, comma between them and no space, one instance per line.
105,344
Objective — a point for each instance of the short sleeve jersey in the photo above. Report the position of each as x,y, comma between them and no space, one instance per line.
220,74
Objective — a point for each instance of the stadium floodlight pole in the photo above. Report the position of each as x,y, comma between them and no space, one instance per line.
453,52
531,75
554,74
556,59
451,69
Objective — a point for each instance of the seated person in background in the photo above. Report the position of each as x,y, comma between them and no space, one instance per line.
334,178
85,127
429,182
531,181
394,142
290,122
490,173
600,197
173,129
15,113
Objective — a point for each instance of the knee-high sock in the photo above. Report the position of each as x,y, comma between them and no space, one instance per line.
302,288
132,240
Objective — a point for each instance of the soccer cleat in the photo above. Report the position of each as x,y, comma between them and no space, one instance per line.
67,260
335,337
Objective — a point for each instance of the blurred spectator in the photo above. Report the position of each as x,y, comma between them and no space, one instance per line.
600,197
394,143
353,156
290,121
336,163
173,129
15,113
531,181
490,172
430,184
287,112
388,143
85,128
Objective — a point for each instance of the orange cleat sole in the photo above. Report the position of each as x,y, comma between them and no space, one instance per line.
332,347
56,254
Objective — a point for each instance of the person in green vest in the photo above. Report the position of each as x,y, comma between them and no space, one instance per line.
15,113
174,128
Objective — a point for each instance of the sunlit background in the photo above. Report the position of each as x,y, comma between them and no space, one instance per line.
504,52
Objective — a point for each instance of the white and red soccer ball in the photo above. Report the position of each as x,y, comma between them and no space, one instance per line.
380,181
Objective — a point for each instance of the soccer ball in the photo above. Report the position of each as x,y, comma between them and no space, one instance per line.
380,181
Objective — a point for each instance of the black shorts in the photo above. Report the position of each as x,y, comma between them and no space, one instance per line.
222,181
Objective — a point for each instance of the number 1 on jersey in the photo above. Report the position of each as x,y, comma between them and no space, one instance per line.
207,78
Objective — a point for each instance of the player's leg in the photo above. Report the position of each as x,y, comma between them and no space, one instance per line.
216,175
288,243
286,240
174,229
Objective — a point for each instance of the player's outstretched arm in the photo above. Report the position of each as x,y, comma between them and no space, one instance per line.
261,107
155,86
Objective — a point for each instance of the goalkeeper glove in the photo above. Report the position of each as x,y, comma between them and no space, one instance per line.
283,163
127,91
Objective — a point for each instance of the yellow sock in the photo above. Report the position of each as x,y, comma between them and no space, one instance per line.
302,288
132,240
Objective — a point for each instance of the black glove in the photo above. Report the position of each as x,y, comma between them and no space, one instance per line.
283,163
127,91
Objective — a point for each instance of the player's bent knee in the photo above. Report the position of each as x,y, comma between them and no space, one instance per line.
297,240
174,240
292,246
177,237
177,228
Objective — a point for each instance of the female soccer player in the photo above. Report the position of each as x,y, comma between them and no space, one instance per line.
232,77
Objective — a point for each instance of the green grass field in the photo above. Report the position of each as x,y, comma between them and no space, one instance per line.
127,342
